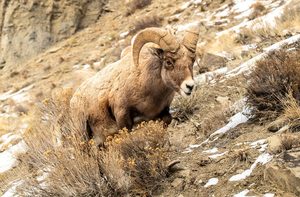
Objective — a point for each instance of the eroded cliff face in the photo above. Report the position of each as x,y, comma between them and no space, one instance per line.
28,27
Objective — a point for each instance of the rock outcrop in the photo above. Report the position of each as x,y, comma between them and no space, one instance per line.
28,27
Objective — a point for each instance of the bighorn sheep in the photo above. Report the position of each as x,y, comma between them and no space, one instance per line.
141,84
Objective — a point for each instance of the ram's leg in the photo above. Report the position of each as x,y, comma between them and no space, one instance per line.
95,131
165,116
101,124
123,119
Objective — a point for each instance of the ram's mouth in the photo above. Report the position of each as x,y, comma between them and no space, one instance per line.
184,93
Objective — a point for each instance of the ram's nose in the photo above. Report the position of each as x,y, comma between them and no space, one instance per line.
187,87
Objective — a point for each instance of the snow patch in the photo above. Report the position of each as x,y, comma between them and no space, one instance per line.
7,139
196,2
257,143
282,43
210,76
41,179
262,159
263,148
212,181
191,147
242,5
86,66
8,159
260,143
268,195
266,20
185,5
194,145
249,47
223,13
11,192
242,193
187,26
124,34
9,115
187,150
81,67
234,121
19,96
213,150
217,155
246,66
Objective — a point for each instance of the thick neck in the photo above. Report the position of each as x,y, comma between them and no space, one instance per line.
152,80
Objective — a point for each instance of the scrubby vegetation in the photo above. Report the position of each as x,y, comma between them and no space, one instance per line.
61,161
146,21
271,81
287,23
133,5
291,113
289,141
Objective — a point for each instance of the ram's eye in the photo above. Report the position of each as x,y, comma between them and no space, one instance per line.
169,65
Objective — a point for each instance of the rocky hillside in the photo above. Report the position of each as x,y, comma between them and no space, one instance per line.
236,135
28,28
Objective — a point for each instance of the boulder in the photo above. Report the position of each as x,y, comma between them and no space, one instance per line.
210,62
178,184
274,142
285,175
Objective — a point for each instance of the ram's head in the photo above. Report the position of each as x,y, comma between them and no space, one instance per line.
177,56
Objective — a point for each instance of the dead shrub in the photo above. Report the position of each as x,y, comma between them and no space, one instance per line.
258,6
290,19
61,161
146,21
291,113
258,10
184,107
287,23
144,156
270,81
133,5
289,141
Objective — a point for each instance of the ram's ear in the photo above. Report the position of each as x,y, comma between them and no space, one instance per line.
158,52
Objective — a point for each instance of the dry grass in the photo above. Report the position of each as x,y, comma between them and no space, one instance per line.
258,10
270,81
289,141
288,22
146,21
185,107
290,19
62,162
202,110
9,177
291,113
258,6
133,5
226,42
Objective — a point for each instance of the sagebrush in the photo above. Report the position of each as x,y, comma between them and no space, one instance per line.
63,161
270,81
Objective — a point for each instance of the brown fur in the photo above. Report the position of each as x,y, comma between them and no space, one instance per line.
121,92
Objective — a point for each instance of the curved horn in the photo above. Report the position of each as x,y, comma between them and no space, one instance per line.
159,36
190,37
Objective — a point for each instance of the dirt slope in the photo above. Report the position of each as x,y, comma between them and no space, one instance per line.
221,152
